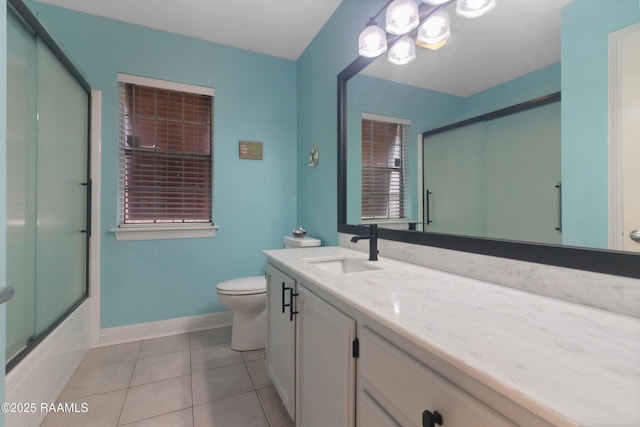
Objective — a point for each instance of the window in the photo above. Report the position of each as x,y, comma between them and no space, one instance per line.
166,153
384,141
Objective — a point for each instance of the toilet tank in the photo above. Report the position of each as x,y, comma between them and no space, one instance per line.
300,242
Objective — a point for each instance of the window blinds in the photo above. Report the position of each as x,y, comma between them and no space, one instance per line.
383,169
166,155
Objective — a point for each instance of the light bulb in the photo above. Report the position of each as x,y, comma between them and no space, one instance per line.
372,41
474,8
434,2
435,28
403,51
402,16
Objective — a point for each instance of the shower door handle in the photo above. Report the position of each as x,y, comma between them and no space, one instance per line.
428,207
6,293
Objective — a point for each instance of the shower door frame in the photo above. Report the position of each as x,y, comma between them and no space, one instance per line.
22,12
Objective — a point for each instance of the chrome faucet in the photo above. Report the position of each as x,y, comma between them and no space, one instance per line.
373,241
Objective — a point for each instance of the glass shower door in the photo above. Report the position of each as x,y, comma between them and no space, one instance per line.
21,178
47,183
61,242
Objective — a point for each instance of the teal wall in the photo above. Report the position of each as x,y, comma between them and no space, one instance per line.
524,88
3,187
586,25
254,201
333,48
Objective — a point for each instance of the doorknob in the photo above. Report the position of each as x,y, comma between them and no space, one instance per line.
6,293
635,235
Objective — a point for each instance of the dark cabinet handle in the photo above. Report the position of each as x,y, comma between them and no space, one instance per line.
291,312
284,289
430,419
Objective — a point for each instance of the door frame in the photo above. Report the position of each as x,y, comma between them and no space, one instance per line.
616,229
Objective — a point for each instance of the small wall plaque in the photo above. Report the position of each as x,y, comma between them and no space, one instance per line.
250,150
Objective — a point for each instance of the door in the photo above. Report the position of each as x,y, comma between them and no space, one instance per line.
624,108
325,366
281,335
3,191
629,97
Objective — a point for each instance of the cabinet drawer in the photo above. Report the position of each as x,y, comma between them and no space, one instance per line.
406,388
370,414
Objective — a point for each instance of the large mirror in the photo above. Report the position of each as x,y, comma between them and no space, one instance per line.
507,140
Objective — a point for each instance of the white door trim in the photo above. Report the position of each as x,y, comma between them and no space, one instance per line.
616,231
94,242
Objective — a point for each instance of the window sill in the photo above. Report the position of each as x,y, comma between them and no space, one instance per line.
164,232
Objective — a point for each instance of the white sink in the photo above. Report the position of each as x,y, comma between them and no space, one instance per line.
341,264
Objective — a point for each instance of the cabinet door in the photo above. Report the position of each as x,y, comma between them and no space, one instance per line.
281,333
326,367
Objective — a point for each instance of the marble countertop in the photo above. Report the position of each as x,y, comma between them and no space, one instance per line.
569,364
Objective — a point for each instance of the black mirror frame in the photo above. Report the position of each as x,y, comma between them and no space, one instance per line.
595,260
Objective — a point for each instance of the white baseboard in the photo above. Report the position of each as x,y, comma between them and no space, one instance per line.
163,328
43,373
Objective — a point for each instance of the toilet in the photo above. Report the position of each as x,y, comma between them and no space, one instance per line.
247,298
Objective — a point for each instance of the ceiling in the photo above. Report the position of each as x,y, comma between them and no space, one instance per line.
282,28
514,39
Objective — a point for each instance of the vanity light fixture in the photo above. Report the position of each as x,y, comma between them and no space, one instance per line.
404,16
372,41
435,28
403,51
474,8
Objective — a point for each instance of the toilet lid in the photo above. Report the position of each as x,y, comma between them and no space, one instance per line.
243,286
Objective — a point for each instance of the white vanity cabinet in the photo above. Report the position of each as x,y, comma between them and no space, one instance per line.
325,373
394,389
309,354
281,336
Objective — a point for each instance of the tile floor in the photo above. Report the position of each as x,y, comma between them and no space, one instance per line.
193,380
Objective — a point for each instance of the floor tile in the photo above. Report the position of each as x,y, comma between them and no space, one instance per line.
205,358
210,337
164,345
220,383
102,410
182,418
258,373
118,353
95,379
157,398
250,355
238,411
275,411
158,368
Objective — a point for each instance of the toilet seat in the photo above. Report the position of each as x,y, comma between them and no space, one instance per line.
254,285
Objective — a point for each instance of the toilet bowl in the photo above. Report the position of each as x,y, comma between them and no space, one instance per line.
247,298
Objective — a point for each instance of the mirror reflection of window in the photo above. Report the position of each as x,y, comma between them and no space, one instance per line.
384,142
